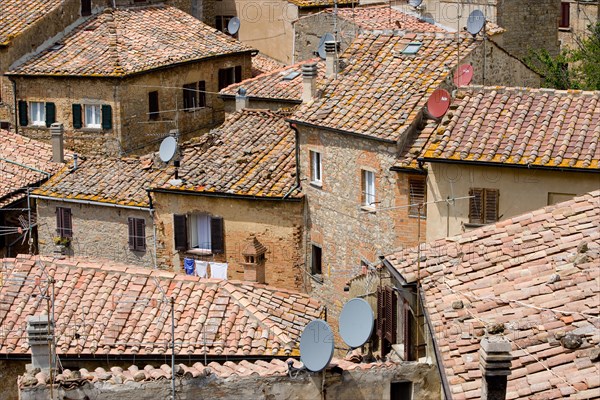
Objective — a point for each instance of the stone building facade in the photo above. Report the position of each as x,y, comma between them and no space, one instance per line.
575,17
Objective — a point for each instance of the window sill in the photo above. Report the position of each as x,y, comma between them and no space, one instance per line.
564,29
199,252
317,278
418,216
317,184
473,225
369,209
194,109
91,130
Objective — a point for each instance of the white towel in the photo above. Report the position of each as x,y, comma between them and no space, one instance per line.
218,270
201,269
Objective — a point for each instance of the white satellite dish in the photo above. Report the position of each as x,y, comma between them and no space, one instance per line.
316,345
328,37
475,22
356,322
167,150
233,26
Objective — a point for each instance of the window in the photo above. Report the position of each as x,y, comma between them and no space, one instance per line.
368,188
200,232
417,195
92,116
401,390
86,8
153,105
387,314
483,206
194,95
228,76
137,234
412,48
316,260
64,222
565,15
37,113
315,167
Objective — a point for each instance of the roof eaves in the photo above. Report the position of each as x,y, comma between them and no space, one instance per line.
361,135
507,165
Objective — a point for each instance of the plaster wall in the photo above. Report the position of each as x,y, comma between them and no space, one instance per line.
521,190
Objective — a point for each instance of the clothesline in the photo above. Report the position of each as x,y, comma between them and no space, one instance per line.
201,268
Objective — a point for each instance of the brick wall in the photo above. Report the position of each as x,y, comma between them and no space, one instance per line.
132,130
335,220
98,232
276,224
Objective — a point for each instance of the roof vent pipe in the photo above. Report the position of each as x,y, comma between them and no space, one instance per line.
494,362
57,138
309,81
241,100
331,62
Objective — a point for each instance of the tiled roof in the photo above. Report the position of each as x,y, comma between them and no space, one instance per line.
536,277
17,16
262,64
251,154
273,86
522,126
229,369
15,150
104,308
383,17
320,3
110,180
120,42
382,91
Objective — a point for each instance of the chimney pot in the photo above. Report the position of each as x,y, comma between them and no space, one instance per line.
309,77
495,363
57,139
241,100
40,336
331,65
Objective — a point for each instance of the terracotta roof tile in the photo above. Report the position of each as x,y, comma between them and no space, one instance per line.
521,126
381,91
262,64
123,41
251,154
126,313
273,86
15,150
383,17
319,3
110,180
17,16
538,294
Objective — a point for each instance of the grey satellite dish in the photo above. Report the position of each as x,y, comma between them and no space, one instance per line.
415,3
428,17
233,26
328,37
356,322
167,148
475,22
316,345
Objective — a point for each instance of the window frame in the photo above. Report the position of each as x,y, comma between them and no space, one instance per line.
229,75
316,174
153,105
316,253
32,118
64,214
564,22
194,93
482,196
136,233
368,197
86,123
185,235
416,198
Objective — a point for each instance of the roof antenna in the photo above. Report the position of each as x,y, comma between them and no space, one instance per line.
475,24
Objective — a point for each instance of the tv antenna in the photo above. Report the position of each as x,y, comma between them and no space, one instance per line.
328,37
438,103
356,322
233,26
316,345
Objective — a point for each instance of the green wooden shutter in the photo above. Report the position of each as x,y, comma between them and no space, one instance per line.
106,117
217,241
50,114
23,121
77,121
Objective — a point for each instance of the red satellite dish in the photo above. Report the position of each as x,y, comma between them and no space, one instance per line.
463,75
438,103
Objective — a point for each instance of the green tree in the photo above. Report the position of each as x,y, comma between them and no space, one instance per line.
577,68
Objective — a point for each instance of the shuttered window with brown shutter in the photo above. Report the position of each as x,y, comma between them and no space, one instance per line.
64,222
483,205
217,241
137,234
180,231
417,195
387,316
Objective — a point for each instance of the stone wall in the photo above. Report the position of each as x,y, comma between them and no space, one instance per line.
132,130
98,232
336,222
277,224
356,384
514,184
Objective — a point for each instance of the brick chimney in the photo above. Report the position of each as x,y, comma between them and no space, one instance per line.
40,339
57,138
494,362
254,260
331,64
309,81
241,100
